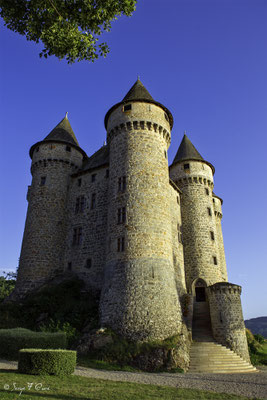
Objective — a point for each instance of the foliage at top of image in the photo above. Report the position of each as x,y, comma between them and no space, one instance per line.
68,29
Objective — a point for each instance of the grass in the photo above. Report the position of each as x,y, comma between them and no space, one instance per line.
81,388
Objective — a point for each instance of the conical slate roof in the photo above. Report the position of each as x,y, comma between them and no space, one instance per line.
63,132
187,151
98,159
138,92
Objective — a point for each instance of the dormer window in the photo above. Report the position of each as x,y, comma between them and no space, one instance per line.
186,166
68,148
128,107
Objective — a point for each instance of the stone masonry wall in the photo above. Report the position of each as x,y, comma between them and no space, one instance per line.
45,228
199,224
87,258
139,298
217,209
227,318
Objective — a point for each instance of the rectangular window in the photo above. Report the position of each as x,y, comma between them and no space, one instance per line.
88,263
186,166
93,201
179,229
178,200
107,173
207,191
122,184
121,215
79,182
69,266
93,178
212,235
77,236
80,204
215,260
127,108
43,179
120,247
68,148
209,210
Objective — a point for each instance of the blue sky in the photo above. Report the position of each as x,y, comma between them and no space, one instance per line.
206,60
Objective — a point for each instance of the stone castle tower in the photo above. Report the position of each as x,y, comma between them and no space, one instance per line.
146,236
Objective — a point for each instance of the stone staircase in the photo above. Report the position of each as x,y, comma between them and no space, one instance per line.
208,356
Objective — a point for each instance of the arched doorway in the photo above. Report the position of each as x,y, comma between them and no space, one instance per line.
201,329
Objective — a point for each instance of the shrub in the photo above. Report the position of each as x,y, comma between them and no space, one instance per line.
259,338
12,340
47,362
58,326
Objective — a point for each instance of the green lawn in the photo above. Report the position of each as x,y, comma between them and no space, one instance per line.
80,388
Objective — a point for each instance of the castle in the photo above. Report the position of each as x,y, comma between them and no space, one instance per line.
145,235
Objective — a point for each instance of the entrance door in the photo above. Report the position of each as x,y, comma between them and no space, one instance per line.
200,294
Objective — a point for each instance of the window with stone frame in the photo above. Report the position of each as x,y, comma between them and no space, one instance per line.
80,204
77,236
43,180
122,184
93,201
215,260
207,191
209,211
212,235
121,244
121,215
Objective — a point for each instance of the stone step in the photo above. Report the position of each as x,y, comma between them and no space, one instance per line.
212,357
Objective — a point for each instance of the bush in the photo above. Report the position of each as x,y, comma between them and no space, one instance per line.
12,340
47,362
58,326
259,338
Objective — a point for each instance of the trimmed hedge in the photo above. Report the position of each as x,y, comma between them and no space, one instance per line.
12,340
47,362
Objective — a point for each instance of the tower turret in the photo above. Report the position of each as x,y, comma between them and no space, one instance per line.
203,243
54,159
139,297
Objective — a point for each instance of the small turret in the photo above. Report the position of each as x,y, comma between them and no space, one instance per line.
54,159
139,298
194,176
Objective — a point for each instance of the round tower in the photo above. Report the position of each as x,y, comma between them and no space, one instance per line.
139,298
194,176
53,161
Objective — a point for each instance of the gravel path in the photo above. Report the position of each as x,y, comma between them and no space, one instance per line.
252,385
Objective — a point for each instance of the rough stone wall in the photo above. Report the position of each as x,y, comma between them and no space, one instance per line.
198,222
45,228
88,257
177,246
227,318
217,209
139,298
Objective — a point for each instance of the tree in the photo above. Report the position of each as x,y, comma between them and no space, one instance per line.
68,28
7,284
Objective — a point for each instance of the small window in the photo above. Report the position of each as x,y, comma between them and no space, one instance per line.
165,153
107,173
88,263
209,211
207,191
93,201
80,204
122,184
69,266
179,229
212,235
213,200
166,117
43,179
178,200
215,260
121,215
68,148
37,149
127,108
79,182
77,236
120,247
186,166
93,177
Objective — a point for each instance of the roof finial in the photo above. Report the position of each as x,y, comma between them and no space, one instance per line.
184,132
138,77
66,115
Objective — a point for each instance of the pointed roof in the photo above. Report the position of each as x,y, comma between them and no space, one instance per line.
61,133
187,151
138,92
98,159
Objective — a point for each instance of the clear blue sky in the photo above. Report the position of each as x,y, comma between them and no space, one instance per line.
206,60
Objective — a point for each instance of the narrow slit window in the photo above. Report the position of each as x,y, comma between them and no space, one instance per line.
69,266
43,180
88,263
207,191
79,182
107,173
209,211
215,260
93,178
93,201
212,235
